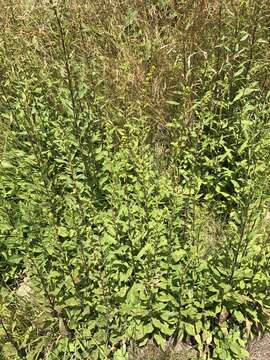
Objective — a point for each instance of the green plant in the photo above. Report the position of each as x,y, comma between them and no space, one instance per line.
133,216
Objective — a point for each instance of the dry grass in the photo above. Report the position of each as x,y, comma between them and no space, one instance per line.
138,54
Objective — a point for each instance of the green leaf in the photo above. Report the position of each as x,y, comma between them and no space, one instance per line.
121,354
244,92
122,292
63,231
139,332
163,327
72,302
6,164
160,341
207,336
148,328
222,354
14,259
178,255
239,316
238,350
109,239
198,339
198,326
190,329
133,295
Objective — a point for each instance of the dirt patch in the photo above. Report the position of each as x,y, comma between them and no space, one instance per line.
260,348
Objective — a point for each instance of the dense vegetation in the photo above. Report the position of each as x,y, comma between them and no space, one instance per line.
134,177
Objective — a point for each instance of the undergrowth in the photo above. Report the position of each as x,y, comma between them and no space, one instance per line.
134,178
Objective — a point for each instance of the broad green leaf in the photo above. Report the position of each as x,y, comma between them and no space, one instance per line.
162,326
238,350
63,231
178,255
244,92
160,341
121,354
133,295
148,328
207,336
72,302
198,326
239,316
190,329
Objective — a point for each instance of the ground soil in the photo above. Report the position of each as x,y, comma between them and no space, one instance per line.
260,348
